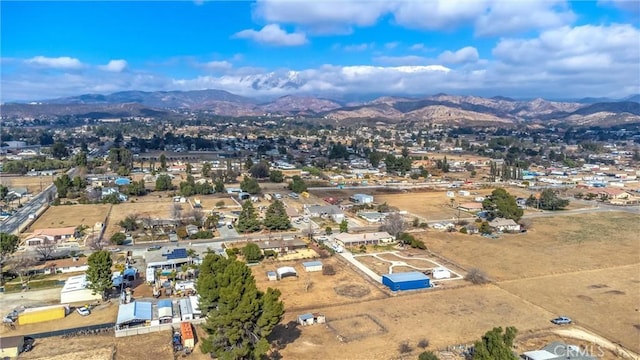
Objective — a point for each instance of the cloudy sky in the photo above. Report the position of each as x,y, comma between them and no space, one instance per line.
519,48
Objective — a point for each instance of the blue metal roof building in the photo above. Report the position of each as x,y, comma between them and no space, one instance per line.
134,312
406,281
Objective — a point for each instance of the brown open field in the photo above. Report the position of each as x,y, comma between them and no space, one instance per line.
145,206
34,184
551,246
209,201
71,215
345,287
604,300
443,317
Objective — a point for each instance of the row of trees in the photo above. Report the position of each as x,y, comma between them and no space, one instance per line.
275,218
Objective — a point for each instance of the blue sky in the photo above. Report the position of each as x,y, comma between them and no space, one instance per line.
269,48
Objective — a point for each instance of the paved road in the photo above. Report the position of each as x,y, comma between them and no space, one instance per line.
13,224
349,257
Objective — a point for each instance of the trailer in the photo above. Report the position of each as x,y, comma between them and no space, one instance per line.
42,314
186,332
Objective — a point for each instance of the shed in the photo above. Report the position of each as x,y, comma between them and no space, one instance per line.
134,312
186,310
311,318
362,199
186,332
286,271
406,281
311,266
165,310
11,346
441,273
272,275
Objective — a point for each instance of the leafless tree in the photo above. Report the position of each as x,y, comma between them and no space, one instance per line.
148,223
196,215
94,242
175,211
46,248
21,264
394,224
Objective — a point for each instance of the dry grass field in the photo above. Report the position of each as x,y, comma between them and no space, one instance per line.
71,215
34,184
377,327
551,246
345,287
209,202
604,300
144,206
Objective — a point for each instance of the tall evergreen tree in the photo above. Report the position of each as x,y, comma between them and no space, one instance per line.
502,204
495,345
248,219
99,272
239,316
276,217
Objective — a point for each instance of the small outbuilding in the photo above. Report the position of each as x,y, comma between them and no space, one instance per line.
362,199
165,310
11,346
406,281
311,266
311,318
441,273
286,271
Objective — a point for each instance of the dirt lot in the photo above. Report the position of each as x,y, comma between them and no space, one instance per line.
325,290
551,246
144,206
596,299
71,215
33,183
377,327
209,201
106,313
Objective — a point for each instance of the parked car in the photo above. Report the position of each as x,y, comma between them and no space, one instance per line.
154,247
562,320
84,311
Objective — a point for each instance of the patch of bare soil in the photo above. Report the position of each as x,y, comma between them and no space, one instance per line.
352,290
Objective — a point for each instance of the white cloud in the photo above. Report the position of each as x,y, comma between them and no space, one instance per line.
218,65
114,66
489,17
63,62
322,16
467,54
507,17
272,34
417,47
402,60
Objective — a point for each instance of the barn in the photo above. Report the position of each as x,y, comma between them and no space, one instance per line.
286,271
311,266
406,281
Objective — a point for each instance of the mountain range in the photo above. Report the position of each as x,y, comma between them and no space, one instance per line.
439,108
